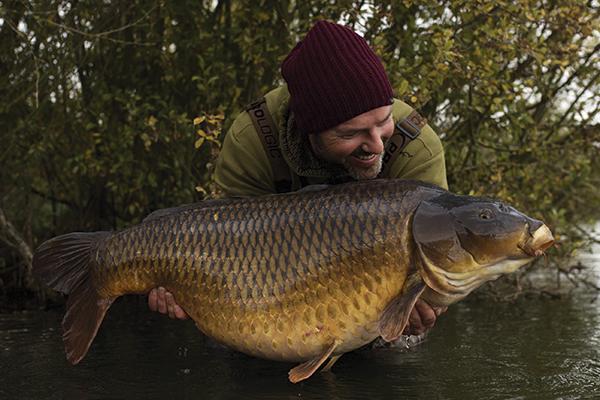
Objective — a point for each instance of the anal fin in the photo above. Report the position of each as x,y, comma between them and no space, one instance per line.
306,369
395,315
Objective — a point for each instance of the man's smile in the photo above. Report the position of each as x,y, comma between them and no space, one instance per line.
364,160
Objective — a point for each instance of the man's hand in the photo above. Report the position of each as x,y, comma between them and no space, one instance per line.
422,318
162,301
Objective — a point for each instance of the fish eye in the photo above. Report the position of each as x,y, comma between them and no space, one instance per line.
486,214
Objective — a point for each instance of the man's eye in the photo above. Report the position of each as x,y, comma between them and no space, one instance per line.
382,123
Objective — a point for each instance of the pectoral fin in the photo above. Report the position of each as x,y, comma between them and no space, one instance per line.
332,361
395,315
305,370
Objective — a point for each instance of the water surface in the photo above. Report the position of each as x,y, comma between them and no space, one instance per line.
546,349
534,348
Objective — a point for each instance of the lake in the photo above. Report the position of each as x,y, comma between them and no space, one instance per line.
533,348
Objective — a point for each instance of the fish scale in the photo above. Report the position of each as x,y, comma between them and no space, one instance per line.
292,247
303,276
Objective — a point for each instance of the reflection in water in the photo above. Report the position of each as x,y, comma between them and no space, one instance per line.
533,348
530,349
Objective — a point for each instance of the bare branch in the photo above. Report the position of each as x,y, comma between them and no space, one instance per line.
35,60
16,241
105,34
592,81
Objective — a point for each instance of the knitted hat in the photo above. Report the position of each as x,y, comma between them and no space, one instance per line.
333,76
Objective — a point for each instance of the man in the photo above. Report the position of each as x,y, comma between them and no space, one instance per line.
328,125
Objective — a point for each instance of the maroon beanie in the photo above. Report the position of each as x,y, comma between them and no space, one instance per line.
333,76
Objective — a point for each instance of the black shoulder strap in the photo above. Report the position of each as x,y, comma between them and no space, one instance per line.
405,131
269,137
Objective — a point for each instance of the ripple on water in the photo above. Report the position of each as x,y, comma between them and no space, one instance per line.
541,349
581,377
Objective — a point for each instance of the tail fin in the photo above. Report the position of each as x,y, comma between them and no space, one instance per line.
63,264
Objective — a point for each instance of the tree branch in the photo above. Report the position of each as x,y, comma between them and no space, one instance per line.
105,34
12,237
573,104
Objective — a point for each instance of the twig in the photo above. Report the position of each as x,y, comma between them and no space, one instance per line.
105,34
578,280
587,235
575,101
35,60
50,197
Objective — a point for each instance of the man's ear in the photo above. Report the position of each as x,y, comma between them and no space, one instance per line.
315,143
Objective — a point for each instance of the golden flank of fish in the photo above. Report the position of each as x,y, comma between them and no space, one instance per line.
301,277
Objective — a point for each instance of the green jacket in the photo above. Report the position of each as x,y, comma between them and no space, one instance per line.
243,168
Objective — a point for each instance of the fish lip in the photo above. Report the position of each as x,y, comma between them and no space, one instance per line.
538,242
484,270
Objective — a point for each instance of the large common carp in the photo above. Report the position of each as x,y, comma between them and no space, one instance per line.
304,276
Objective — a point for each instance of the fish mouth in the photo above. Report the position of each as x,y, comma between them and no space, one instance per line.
539,242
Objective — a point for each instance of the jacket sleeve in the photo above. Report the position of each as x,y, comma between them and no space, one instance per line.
242,168
422,159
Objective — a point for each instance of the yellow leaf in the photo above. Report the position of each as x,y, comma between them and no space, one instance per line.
199,120
403,87
201,133
413,99
152,121
199,143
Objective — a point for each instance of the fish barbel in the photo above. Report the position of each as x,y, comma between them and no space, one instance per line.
302,277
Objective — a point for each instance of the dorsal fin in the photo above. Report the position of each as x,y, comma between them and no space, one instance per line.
192,206
314,188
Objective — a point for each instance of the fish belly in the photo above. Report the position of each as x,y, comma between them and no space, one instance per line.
297,323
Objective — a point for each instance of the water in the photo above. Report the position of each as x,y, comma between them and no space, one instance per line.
546,349
534,348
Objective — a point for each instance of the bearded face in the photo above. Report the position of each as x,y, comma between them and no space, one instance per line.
357,144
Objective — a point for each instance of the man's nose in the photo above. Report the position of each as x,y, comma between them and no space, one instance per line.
374,141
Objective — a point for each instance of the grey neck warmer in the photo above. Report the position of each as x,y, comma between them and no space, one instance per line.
298,152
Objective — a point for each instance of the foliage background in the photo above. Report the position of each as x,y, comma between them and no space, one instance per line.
97,102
